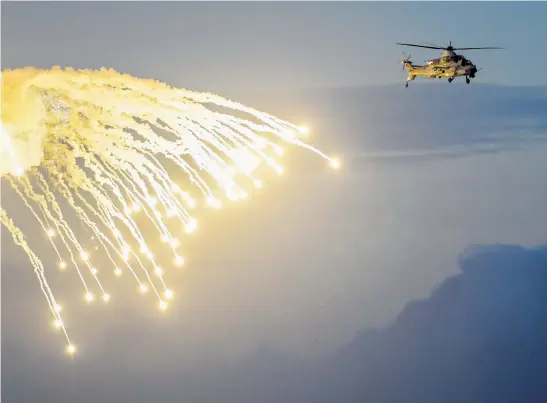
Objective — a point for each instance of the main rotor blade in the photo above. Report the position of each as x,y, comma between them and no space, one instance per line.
434,44
476,48
419,46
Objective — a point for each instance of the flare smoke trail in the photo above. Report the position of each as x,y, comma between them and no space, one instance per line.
109,145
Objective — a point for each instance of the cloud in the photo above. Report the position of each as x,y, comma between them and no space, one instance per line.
480,336
364,160
391,117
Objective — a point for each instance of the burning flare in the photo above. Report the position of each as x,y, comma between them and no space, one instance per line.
109,146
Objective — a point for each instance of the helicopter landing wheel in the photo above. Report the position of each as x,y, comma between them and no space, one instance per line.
406,84
450,79
467,80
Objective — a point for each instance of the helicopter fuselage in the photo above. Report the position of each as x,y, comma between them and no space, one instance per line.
438,71
450,71
450,65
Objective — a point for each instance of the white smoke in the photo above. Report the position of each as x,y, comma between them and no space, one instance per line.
22,132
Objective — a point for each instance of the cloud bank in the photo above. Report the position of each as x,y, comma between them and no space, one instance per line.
376,119
479,337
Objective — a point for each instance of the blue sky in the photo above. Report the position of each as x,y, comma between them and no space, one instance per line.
229,47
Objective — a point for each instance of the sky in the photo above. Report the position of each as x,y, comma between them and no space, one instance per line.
250,46
317,256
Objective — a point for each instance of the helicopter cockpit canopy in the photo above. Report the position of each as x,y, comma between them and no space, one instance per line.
465,62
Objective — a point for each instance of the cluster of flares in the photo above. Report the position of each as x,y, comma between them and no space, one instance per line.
110,147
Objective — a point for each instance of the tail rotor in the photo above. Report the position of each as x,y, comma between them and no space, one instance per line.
407,59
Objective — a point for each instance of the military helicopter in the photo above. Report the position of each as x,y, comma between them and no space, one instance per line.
450,64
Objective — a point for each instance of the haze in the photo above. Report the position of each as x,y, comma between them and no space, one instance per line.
279,289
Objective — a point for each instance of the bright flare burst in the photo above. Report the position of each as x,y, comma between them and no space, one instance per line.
109,146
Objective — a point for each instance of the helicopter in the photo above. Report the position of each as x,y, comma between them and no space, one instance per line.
449,65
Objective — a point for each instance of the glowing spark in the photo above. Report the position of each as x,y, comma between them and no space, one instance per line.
179,260
191,226
335,163
100,146
71,349
168,294
211,201
304,130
